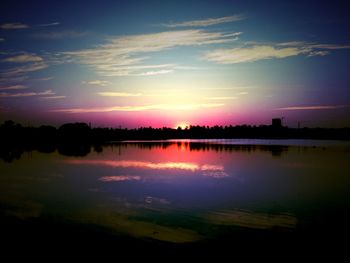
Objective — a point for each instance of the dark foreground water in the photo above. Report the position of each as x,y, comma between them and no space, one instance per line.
180,196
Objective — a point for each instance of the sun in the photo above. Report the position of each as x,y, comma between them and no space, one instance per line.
182,125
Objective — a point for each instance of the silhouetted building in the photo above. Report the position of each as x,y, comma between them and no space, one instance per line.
276,122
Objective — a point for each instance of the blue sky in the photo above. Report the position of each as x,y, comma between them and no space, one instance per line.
165,63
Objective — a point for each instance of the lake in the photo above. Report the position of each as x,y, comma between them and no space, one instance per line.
189,193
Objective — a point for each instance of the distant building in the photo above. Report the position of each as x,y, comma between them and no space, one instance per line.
276,122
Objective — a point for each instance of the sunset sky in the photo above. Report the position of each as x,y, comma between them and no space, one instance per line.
169,63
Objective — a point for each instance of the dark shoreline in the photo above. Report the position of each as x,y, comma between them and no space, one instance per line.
77,139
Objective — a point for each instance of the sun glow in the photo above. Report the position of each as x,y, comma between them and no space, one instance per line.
182,125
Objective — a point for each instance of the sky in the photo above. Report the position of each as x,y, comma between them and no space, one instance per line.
175,63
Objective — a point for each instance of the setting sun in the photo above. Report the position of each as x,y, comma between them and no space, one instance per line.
182,125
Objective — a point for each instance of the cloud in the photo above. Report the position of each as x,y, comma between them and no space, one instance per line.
158,72
14,87
97,82
15,71
66,34
243,93
221,98
28,62
25,94
140,108
317,107
43,79
118,94
250,54
2,39
49,24
24,58
318,53
53,97
256,52
329,46
10,26
123,56
207,22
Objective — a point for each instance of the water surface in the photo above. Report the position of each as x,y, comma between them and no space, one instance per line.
184,191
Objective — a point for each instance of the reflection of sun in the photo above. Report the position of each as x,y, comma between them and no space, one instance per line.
182,125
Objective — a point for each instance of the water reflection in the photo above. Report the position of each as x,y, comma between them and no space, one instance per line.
250,219
119,178
211,170
179,191
11,153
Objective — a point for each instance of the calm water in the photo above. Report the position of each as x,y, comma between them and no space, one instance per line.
184,191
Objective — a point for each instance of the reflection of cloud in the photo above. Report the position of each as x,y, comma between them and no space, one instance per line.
120,222
216,171
119,178
216,174
250,219
207,22
138,164
211,167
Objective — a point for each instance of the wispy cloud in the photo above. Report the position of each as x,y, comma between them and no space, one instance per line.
53,97
122,56
66,34
14,87
221,98
2,39
24,63
118,94
49,24
25,94
207,22
24,58
158,72
43,79
250,54
256,52
243,93
318,53
15,71
225,88
10,26
317,107
140,108
97,82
